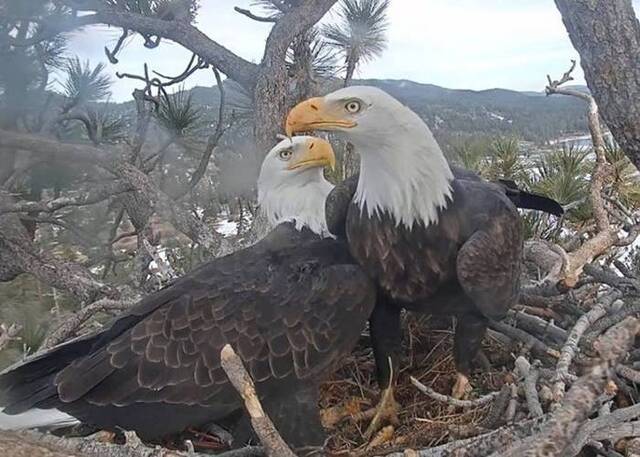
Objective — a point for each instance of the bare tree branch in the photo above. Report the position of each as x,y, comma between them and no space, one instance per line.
72,324
91,196
8,334
454,401
250,15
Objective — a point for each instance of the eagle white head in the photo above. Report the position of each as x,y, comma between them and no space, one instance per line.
403,171
292,186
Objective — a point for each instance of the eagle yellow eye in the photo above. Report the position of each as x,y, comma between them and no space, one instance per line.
285,154
353,106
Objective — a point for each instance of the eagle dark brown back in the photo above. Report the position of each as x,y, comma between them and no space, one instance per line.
291,306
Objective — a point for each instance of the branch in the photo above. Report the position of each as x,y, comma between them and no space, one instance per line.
264,428
32,443
553,87
250,15
571,346
607,235
111,55
212,141
55,150
72,323
90,197
558,433
8,334
454,401
183,219
19,254
237,68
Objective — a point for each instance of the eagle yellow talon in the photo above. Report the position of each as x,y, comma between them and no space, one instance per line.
386,412
462,388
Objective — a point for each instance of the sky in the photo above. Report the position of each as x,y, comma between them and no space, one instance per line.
460,44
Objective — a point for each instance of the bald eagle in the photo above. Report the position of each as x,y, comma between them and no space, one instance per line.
435,238
291,306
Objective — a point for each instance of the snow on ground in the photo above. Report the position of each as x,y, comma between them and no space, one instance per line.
226,227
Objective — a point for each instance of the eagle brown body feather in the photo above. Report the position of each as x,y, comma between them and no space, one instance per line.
467,264
291,306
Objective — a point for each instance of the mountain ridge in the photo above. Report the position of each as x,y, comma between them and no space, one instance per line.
531,116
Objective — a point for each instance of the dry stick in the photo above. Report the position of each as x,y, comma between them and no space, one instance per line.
495,416
166,270
571,346
603,426
512,407
618,431
608,321
531,392
534,324
560,430
607,235
73,322
8,334
34,443
601,450
628,373
270,438
453,401
530,341
481,445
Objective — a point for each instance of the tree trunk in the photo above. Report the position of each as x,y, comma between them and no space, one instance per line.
272,85
606,33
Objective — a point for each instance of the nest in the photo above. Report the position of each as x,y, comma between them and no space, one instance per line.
424,422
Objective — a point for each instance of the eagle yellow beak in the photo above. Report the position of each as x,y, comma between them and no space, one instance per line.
317,153
314,114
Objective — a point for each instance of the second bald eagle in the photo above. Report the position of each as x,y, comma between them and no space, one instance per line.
435,238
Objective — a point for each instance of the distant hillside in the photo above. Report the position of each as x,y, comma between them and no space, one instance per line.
533,116
529,115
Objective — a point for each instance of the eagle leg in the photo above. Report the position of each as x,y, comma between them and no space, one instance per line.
386,339
470,330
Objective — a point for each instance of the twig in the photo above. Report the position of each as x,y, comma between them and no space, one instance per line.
558,433
8,334
454,401
498,407
531,392
212,141
166,270
264,428
73,323
512,407
535,324
601,325
34,443
571,346
111,55
94,195
628,373
530,341
250,15
603,425
481,445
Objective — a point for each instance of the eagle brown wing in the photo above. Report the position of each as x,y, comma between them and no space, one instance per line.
289,313
488,263
287,317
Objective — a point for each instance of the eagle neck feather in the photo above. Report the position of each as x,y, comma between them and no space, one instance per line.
299,199
403,174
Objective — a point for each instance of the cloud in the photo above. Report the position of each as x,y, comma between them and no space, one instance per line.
453,43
